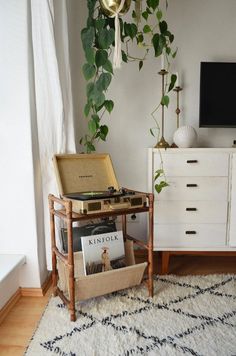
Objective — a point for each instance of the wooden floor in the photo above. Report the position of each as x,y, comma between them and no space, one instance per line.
20,324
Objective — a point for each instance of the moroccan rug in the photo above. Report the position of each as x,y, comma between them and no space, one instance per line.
192,315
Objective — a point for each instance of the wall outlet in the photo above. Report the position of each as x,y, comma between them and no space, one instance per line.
132,218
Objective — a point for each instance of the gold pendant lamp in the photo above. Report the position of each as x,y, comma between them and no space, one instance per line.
109,7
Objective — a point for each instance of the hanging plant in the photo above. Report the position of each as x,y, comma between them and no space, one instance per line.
147,29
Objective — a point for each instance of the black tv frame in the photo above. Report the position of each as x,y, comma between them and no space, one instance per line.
200,93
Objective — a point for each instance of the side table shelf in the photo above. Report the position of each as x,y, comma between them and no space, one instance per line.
85,287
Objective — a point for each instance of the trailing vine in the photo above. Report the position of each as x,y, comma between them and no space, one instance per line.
147,29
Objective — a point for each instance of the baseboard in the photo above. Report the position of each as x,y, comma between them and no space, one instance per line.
25,292
37,292
10,304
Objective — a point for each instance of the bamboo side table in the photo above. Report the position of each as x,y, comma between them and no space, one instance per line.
69,217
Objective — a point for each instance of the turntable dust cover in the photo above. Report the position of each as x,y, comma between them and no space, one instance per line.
103,252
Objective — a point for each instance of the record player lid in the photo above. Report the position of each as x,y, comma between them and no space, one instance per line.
84,172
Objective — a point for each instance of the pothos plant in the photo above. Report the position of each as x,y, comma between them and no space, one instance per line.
149,31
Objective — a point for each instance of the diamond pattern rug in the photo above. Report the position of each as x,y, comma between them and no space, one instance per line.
192,315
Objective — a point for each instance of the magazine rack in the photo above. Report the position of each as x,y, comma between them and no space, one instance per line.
72,284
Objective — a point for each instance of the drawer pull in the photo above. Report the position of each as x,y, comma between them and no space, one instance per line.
191,185
192,161
190,232
191,209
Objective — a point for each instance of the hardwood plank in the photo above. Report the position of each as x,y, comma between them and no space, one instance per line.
10,304
200,265
19,325
11,350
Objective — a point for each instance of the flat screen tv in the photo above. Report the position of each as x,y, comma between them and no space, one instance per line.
217,94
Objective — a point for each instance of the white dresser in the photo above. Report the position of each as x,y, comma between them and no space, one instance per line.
197,211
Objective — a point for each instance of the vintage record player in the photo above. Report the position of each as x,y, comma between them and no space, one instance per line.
89,181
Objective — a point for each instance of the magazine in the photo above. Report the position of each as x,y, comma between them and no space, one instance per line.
103,252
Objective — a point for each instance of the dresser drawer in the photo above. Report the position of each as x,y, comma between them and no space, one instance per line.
195,188
189,235
177,212
193,164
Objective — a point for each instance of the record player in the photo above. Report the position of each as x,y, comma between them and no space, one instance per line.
89,181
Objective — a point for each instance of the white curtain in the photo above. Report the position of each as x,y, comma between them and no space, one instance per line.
53,93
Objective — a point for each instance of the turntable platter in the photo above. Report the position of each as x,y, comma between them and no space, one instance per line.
93,195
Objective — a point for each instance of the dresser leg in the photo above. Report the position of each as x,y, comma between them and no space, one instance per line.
165,262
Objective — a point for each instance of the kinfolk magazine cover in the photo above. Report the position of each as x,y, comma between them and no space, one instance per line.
103,252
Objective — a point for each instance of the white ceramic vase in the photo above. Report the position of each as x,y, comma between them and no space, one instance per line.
185,137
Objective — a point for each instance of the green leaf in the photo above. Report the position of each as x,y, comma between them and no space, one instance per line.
103,81
130,29
159,15
87,37
91,6
90,55
175,52
145,15
158,173
152,133
140,38
98,108
95,95
148,11
156,44
168,50
165,100
124,56
140,65
99,98
158,188
172,82
89,71
101,57
87,108
89,90
100,23
162,42
109,104
103,132
108,66
90,147
170,35
92,126
96,119
164,184
106,38
163,26
153,4
147,29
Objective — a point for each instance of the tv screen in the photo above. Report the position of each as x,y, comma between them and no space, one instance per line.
217,94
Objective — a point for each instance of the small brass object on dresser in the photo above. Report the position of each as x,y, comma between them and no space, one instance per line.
162,143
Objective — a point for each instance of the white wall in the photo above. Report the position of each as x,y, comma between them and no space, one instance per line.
20,229
204,30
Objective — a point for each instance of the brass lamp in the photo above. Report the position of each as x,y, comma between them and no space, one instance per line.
109,7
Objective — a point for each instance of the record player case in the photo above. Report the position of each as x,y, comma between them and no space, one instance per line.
82,287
